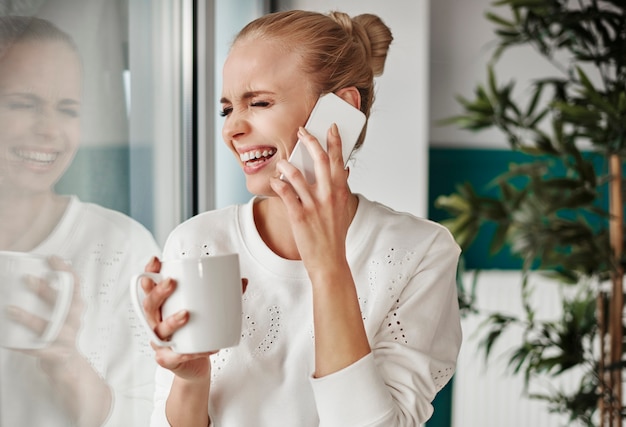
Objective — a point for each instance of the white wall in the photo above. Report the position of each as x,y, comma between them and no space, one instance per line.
391,167
461,44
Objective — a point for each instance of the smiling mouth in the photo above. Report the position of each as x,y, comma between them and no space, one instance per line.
36,157
254,157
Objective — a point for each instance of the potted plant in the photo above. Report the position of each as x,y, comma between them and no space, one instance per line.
561,211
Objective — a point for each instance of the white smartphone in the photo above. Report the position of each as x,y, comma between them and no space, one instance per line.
329,109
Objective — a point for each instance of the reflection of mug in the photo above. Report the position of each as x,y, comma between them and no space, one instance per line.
15,267
209,288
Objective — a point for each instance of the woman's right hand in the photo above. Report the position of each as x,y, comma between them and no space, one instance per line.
190,367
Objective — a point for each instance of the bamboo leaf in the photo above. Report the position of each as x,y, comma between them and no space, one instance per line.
496,19
535,99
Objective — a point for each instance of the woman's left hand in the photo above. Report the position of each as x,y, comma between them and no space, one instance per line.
320,213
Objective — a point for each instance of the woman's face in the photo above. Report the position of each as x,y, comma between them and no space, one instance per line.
265,98
40,92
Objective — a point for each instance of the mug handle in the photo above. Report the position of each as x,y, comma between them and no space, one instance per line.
64,285
135,288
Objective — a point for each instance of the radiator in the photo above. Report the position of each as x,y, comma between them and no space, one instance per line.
488,394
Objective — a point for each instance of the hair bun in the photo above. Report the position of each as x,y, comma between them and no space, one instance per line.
373,34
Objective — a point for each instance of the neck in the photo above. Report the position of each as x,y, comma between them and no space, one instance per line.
27,219
271,220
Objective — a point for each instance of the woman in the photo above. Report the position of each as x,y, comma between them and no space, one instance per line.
350,311
98,371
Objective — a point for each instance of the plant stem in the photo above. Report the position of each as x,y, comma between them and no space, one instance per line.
616,207
602,379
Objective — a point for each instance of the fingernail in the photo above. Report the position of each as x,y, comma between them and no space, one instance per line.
167,284
302,131
180,315
334,130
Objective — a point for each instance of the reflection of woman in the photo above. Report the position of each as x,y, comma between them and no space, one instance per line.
350,312
98,370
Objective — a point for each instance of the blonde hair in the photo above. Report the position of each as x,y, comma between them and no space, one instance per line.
337,51
14,29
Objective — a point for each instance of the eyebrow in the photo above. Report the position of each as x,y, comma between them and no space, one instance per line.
248,95
68,101
33,97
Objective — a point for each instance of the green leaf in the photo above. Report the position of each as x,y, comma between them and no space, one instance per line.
496,19
452,203
535,99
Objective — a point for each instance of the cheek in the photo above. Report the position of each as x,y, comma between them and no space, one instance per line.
15,121
73,134
285,130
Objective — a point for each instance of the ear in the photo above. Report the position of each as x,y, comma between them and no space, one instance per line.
351,95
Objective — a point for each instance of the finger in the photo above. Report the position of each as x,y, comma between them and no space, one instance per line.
334,143
320,157
297,190
338,169
291,173
41,288
290,198
155,298
59,264
164,330
169,359
29,320
153,266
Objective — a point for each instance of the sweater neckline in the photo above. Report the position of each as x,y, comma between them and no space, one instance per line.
63,228
270,261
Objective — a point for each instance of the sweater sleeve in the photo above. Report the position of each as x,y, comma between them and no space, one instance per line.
131,368
414,351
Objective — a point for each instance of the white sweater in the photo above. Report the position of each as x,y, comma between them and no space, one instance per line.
105,248
404,269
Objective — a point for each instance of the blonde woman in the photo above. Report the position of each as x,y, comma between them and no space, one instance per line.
350,312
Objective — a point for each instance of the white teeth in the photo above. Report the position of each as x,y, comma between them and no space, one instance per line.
35,156
258,154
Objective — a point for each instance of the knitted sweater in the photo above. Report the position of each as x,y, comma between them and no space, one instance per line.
404,269
104,248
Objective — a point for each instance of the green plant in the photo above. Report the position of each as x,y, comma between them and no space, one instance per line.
560,212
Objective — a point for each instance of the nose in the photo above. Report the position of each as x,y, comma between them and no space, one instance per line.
235,126
47,124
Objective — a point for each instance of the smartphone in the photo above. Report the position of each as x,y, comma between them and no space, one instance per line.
329,109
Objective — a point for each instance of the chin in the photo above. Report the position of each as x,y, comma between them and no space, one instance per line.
261,190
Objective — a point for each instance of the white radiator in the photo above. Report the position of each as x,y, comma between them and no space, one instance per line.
489,395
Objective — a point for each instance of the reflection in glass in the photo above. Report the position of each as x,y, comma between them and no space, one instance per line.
61,150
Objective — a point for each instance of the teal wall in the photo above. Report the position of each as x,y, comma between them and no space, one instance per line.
115,177
449,167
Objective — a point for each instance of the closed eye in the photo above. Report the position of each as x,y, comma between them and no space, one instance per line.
226,111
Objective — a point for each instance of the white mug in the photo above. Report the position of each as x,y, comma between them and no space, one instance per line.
209,288
15,267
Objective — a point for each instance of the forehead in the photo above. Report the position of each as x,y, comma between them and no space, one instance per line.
41,66
261,65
